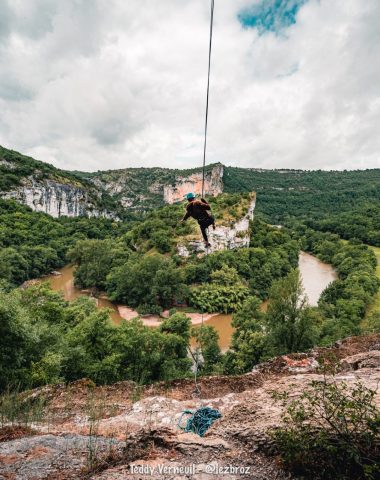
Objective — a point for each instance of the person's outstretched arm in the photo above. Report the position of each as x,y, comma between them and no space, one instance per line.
187,215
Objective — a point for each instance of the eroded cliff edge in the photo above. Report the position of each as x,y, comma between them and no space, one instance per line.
50,190
138,426
56,192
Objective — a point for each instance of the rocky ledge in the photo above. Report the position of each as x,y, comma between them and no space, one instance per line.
56,199
213,185
223,237
122,431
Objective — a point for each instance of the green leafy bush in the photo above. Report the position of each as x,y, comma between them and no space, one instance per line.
147,282
331,432
218,298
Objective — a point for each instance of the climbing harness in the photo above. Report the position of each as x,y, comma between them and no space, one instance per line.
207,98
200,420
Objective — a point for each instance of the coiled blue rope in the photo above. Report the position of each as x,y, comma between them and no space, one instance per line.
200,420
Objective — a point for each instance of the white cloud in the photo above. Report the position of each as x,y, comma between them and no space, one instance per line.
112,83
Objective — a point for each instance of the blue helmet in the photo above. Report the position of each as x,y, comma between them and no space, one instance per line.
190,196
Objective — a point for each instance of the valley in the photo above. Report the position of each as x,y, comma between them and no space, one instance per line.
291,277
189,240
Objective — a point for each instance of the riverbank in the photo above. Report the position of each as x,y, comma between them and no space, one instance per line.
155,320
63,281
316,276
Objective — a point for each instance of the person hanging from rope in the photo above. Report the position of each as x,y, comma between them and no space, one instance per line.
200,210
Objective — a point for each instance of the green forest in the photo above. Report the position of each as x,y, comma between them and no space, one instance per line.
133,259
45,339
342,202
33,244
285,195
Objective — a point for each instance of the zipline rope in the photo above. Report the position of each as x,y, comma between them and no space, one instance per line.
201,419
207,98
197,353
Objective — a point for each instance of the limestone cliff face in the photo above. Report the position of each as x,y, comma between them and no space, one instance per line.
143,188
57,192
45,188
54,198
193,183
224,237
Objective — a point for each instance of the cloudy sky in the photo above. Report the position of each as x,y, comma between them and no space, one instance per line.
101,84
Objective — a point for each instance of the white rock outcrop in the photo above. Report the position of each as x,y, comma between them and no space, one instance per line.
55,199
193,183
224,237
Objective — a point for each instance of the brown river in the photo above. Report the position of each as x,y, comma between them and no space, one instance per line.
316,275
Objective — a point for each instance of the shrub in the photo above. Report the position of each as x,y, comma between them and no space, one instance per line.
219,298
331,432
373,323
225,294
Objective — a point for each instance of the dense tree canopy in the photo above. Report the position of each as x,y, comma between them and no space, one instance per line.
45,339
33,244
335,200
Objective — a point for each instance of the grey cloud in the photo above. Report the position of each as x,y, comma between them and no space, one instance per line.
112,131
5,19
109,84
34,19
11,90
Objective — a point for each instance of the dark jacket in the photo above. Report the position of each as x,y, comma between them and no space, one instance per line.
198,209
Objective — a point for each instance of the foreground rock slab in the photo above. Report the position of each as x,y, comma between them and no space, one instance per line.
51,456
135,433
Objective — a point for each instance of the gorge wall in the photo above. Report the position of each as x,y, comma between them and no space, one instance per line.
47,189
60,193
144,188
55,199
193,183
